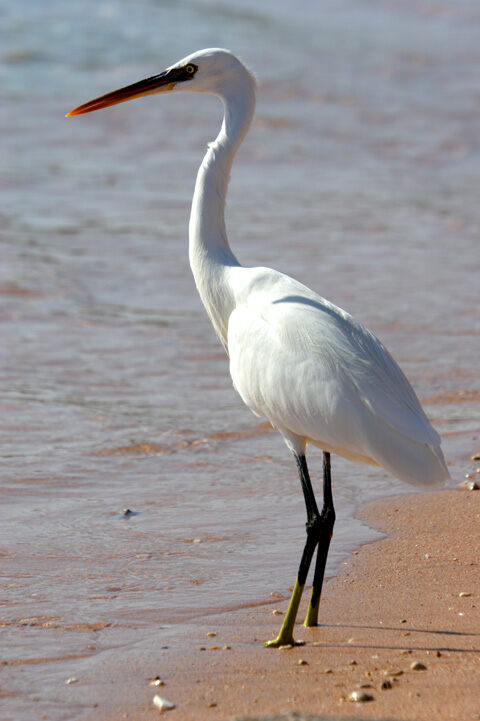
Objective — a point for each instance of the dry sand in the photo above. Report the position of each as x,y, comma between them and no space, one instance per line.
413,596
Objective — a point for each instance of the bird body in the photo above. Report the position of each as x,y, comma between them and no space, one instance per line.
310,368
320,377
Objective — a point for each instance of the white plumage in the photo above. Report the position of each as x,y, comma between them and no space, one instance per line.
312,370
320,377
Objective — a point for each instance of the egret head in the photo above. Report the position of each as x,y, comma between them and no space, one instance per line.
213,70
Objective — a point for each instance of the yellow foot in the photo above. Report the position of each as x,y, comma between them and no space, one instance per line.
285,635
311,619
279,641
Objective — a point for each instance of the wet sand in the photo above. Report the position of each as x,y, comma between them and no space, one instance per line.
413,596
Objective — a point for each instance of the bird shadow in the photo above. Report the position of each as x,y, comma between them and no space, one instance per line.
406,644
390,647
404,628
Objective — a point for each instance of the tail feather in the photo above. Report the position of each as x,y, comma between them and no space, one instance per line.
419,464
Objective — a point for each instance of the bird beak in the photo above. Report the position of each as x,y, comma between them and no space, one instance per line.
162,83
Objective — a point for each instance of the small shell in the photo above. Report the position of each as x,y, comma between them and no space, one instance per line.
162,703
360,696
417,666
464,594
72,679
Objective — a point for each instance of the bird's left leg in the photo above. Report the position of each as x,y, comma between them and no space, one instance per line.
327,520
285,636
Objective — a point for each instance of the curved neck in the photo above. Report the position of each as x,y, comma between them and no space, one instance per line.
209,251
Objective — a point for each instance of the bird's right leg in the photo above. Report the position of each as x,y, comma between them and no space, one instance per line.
285,636
326,523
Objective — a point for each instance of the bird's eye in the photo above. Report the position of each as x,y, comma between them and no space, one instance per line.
190,69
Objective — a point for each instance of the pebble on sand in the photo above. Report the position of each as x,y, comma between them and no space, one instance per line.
157,681
464,594
276,612
302,662
393,672
72,679
417,666
360,696
210,633
475,457
386,684
469,486
162,704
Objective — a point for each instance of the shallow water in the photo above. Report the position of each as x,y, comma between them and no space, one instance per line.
360,177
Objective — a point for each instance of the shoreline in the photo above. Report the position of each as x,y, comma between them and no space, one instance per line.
409,597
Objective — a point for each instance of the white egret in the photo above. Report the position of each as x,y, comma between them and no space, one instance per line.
307,366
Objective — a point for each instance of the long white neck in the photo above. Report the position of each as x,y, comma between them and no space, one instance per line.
209,251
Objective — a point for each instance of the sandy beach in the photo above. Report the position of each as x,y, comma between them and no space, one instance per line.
150,526
411,598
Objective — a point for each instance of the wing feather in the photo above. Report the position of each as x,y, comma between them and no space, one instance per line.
299,360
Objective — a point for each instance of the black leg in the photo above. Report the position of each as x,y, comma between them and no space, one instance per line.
313,516
325,530
314,528
319,531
